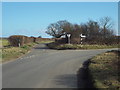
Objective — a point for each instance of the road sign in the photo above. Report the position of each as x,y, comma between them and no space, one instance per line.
82,36
68,35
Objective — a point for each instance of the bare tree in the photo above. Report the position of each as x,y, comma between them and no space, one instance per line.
57,29
54,30
93,28
97,32
106,25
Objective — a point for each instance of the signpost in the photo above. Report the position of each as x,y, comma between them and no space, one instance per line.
82,36
68,38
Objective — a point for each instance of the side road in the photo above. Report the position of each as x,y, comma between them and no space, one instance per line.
46,68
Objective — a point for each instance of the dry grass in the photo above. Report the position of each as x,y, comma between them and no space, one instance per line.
104,70
9,53
12,53
78,46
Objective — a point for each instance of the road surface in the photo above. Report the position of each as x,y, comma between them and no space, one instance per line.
46,68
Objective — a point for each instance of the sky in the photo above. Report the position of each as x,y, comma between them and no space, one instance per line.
32,18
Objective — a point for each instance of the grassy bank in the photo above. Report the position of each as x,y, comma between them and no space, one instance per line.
9,53
104,70
78,46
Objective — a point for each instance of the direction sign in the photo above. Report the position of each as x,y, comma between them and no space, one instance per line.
68,35
82,35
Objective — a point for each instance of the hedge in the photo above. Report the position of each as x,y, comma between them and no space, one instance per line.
20,40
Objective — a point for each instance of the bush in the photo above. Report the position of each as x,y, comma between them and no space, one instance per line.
15,40
21,40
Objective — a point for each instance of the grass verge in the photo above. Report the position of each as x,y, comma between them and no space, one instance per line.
104,69
9,53
78,46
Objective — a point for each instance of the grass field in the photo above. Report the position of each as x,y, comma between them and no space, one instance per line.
104,70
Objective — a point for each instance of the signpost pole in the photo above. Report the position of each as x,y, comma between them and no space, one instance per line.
81,40
68,38
81,36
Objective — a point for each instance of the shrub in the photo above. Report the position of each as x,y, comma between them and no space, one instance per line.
20,40
17,40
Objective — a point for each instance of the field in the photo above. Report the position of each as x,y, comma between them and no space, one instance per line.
104,70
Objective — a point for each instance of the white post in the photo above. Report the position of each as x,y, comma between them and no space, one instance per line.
19,44
68,38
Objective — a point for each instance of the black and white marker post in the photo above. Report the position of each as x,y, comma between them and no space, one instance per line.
81,41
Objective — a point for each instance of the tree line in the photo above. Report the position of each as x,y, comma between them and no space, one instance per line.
96,32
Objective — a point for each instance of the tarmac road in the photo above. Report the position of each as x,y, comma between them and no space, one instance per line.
46,68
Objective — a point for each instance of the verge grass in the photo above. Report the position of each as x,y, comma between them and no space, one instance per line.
46,41
104,69
78,46
8,52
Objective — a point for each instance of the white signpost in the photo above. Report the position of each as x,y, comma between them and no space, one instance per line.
82,36
68,38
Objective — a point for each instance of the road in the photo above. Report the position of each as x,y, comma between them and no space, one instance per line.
46,68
